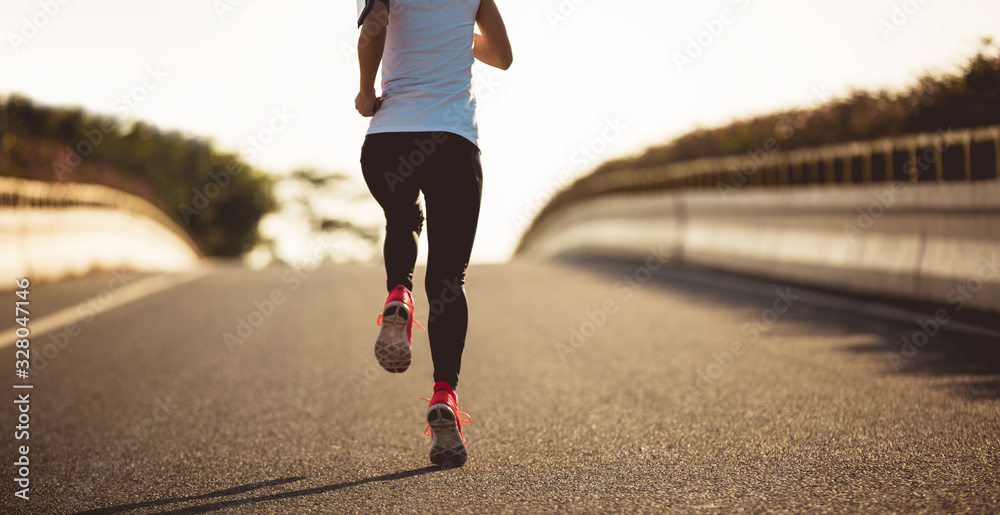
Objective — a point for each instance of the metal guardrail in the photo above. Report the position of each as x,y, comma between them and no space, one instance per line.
18,193
962,155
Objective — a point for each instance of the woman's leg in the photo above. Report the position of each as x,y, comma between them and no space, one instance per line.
395,187
452,184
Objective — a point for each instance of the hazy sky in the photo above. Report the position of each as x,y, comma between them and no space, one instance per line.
591,80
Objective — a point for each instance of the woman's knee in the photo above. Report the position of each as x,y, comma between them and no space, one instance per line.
446,288
409,219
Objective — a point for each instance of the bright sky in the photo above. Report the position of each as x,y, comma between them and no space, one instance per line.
597,74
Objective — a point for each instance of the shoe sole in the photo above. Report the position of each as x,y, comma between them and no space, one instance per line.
447,447
392,348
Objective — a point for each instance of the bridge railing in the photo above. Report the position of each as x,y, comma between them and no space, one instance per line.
18,194
52,231
959,155
908,217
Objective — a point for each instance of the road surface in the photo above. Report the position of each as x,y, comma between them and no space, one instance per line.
593,386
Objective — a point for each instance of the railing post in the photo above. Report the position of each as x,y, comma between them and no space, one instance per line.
851,151
967,146
890,170
996,150
939,157
866,162
890,166
3,132
795,171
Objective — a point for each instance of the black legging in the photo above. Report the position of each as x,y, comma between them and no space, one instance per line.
399,165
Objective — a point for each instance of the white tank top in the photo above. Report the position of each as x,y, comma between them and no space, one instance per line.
427,69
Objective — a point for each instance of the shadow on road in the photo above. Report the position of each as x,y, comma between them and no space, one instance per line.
221,493
973,360
232,503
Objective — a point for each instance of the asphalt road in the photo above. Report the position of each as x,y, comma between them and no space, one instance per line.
593,387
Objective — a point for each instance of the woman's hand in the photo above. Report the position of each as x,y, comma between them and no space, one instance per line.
367,103
492,46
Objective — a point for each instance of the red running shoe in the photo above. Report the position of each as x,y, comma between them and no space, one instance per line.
394,343
448,447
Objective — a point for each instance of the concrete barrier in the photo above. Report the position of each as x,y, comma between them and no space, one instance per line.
52,231
932,241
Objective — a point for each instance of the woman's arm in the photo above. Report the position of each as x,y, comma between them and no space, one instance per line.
370,46
492,46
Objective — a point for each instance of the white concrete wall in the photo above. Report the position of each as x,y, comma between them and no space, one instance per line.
924,239
54,243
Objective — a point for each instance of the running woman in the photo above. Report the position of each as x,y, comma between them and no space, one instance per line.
423,137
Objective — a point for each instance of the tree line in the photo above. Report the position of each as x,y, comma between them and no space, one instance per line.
969,97
216,195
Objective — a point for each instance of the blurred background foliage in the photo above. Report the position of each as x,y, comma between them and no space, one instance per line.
168,168
315,186
968,97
